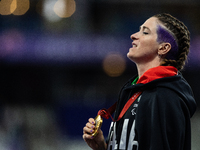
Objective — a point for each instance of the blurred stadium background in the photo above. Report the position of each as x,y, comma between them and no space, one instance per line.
63,60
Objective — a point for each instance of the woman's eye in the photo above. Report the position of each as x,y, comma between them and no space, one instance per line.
145,33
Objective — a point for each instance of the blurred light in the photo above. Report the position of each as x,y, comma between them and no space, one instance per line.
65,8
21,6
114,64
12,42
55,10
5,7
48,12
15,7
194,55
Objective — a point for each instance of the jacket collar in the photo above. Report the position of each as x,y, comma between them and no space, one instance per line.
157,73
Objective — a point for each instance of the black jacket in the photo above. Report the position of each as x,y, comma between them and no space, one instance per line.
159,120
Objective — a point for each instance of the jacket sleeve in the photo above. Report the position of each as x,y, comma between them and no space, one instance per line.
163,121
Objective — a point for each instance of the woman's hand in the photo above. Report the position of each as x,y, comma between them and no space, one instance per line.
97,142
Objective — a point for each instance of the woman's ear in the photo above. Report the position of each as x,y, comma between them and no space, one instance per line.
164,48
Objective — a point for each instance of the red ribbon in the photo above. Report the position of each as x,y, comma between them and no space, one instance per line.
148,76
107,113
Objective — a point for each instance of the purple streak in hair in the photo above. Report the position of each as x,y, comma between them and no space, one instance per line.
166,36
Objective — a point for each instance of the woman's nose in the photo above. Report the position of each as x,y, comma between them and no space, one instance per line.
134,36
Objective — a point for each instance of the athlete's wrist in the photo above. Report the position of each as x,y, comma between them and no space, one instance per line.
103,147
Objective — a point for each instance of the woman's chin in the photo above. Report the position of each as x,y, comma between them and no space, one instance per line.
130,56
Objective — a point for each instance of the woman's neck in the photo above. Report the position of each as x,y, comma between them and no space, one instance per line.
142,68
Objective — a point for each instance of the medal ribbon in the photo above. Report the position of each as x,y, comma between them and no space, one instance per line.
148,76
107,113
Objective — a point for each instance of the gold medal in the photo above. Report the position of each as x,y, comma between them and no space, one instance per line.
98,123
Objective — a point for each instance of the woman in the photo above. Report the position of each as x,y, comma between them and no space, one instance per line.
159,118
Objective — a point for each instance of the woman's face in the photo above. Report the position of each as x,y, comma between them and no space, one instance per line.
145,46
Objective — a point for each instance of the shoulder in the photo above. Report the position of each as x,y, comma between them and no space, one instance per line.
161,103
160,96
173,92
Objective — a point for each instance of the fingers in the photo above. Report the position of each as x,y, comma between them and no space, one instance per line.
87,137
92,121
89,129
